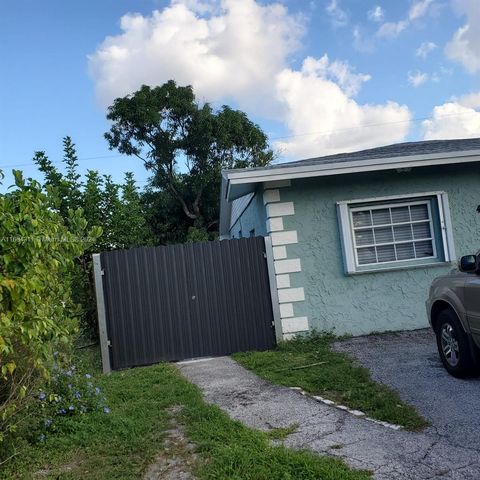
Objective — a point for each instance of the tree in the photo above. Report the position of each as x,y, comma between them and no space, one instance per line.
92,203
186,145
67,188
130,224
165,216
72,177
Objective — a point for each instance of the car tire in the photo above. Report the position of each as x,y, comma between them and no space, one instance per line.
453,345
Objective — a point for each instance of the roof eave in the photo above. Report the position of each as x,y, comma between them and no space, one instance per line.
236,178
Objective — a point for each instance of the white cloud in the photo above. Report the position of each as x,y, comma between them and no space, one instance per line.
417,78
376,14
393,29
464,47
239,52
339,72
323,117
424,49
199,6
338,16
362,42
452,120
235,52
419,9
470,100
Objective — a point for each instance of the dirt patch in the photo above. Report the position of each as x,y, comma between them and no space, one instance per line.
68,469
178,458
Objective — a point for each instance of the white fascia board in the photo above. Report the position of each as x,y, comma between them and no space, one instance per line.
287,173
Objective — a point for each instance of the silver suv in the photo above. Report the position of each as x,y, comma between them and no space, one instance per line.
453,308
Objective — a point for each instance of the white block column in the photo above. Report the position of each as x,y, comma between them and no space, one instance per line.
284,264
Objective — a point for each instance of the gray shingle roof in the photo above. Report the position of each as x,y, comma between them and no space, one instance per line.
397,150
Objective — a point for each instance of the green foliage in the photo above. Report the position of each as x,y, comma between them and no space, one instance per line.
165,216
93,204
37,314
199,234
310,363
116,208
122,444
186,146
69,394
130,228
66,189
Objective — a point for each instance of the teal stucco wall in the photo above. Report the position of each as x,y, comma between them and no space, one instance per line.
374,301
252,218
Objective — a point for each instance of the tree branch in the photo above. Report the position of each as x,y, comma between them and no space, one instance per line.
176,193
196,202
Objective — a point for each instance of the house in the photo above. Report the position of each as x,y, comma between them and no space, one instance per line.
358,237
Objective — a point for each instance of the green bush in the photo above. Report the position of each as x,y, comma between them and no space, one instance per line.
68,394
37,315
117,208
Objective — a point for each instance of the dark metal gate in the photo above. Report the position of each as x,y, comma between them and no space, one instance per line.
185,301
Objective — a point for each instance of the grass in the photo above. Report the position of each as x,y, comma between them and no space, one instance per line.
122,444
332,375
281,433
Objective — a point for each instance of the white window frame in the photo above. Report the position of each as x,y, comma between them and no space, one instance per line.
349,247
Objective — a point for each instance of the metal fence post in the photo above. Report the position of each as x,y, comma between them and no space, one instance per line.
277,321
102,319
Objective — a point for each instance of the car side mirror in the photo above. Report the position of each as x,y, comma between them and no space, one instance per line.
468,264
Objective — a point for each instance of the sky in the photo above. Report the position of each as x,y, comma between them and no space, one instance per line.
319,77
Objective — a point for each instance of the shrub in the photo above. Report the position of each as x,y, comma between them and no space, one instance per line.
68,394
37,315
116,207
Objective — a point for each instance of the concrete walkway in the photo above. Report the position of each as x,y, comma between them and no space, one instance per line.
362,444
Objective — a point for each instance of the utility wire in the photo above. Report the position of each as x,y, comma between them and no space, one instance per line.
413,120
61,161
318,133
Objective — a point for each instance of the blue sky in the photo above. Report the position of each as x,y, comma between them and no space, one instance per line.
319,76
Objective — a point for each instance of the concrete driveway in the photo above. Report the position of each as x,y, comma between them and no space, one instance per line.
409,363
389,454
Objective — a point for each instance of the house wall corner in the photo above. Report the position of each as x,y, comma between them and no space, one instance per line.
285,265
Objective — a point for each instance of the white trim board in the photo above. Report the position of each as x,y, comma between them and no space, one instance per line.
234,177
390,197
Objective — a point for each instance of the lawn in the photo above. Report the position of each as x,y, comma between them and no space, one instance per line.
332,375
122,444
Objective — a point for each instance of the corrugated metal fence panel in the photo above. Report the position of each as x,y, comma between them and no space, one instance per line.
186,301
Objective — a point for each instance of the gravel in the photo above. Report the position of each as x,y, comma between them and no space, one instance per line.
409,362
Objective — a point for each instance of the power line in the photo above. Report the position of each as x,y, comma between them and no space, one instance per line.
413,120
61,161
318,133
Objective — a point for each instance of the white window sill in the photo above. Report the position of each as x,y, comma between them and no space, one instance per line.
394,268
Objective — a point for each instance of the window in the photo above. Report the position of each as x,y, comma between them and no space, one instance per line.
395,232
392,233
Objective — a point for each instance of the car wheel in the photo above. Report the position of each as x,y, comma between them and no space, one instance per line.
453,346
